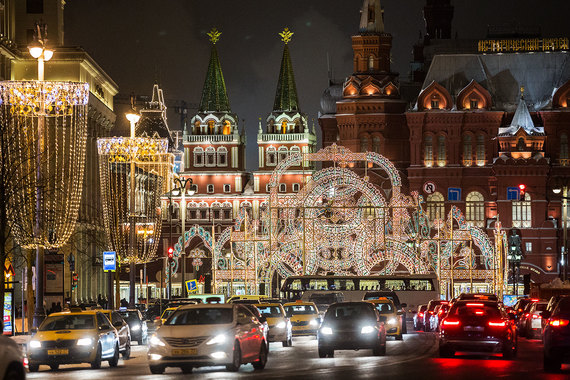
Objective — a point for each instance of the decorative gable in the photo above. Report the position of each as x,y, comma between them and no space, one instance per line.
473,97
434,96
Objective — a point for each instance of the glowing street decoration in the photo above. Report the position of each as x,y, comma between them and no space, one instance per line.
47,127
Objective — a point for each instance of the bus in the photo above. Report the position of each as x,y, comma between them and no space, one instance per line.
412,289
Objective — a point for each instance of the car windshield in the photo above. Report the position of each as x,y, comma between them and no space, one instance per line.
130,316
354,311
201,316
68,322
540,307
300,309
475,310
384,308
270,311
167,313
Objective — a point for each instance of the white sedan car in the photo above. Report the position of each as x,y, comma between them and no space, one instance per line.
208,335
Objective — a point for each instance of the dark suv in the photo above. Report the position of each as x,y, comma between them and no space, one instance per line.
137,324
557,335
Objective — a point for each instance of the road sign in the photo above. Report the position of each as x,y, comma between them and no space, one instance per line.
429,187
109,261
192,286
513,193
454,194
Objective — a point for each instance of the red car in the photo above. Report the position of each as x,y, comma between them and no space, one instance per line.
478,326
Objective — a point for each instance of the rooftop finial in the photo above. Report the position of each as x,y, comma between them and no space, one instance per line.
286,35
214,35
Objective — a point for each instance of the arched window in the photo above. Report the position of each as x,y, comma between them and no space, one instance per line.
198,156
216,210
370,63
210,189
227,127
435,206
282,188
211,127
295,149
203,210
441,152
284,127
210,156
475,209
247,207
364,144
175,211
227,210
480,150
376,144
564,149
522,212
191,211
467,150
283,153
296,187
222,156
428,151
271,156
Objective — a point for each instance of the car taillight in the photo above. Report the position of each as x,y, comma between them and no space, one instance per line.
526,315
534,316
558,322
25,362
421,314
475,304
479,312
497,324
450,322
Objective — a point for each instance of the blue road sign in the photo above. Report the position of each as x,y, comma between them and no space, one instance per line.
454,194
513,193
191,286
109,261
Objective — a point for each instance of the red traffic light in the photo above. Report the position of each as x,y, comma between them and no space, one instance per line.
522,187
522,191
170,252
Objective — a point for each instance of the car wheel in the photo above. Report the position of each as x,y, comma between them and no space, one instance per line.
54,367
260,363
445,352
552,363
114,361
331,353
156,369
323,352
127,352
186,369
399,336
33,367
96,363
15,372
236,361
404,326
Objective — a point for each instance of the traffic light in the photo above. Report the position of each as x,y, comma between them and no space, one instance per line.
170,253
522,191
75,279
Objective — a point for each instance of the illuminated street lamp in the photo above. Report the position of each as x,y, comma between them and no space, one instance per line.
39,51
180,188
564,253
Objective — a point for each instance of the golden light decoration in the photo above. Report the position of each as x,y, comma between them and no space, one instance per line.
45,133
214,35
152,168
286,35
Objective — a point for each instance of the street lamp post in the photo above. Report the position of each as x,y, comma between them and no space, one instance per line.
564,252
39,51
133,119
180,188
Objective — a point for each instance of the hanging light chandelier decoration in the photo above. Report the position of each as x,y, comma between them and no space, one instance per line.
46,128
148,160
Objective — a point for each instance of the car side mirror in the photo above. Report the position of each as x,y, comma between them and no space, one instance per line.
404,305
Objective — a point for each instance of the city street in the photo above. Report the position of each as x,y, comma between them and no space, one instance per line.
415,357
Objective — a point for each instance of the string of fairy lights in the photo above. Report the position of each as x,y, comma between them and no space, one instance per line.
46,126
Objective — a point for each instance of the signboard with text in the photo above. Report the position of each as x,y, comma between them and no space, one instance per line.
8,322
109,261
514,45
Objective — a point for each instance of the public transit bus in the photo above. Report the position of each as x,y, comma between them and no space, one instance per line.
411,289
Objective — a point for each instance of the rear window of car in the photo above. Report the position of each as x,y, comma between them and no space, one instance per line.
68,322
473,310
270,311
355,311
300,309
540,307
323,299
201,316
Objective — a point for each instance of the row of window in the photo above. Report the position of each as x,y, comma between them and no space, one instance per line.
274,156
475,209
210,157
295,187
440,146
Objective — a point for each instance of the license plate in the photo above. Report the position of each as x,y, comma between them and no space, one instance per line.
190,351
473,328
60,351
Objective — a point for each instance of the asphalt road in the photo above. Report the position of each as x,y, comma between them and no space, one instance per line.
413,358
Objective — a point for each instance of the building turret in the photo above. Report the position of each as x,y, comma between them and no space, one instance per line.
153,118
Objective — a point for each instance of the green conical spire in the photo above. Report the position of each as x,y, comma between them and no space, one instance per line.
286,96
214,94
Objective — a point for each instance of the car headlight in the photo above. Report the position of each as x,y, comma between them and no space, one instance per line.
35,344
392,321
136,327
281,325
314,322
155,341
85,342
367,330
218,339
326,331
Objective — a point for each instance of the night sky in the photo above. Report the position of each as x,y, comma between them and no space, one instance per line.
139,41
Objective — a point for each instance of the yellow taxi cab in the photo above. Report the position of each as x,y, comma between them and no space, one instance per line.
391,317
280,329
304,317
244,298
72,337
167,313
